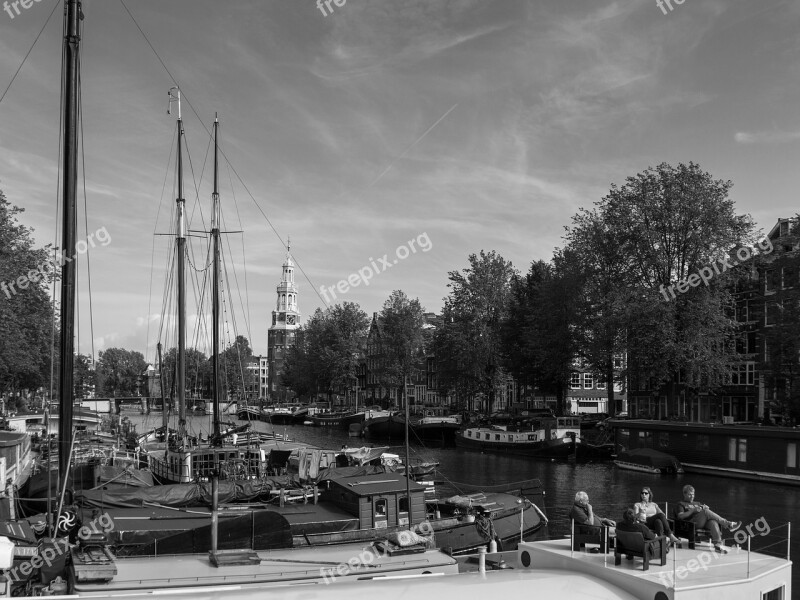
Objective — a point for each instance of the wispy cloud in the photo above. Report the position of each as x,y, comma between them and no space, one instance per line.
767,137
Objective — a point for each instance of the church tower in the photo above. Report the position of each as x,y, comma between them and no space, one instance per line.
281,334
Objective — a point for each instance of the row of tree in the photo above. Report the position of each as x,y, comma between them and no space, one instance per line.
604,295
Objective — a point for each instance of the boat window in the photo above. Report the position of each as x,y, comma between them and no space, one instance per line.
380,507
497,437
487,436
532,437
737,449
791,455
663,439
702,443
776,594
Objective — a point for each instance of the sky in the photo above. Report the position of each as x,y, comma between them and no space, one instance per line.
355,129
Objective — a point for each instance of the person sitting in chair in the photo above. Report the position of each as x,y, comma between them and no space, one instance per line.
583,514
631,523
703,517
649,513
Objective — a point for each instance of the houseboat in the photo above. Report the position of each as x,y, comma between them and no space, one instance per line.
744,451
548,437
436,428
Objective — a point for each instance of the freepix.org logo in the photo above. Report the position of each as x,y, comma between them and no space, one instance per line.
26,4
367,272
718,267
12,288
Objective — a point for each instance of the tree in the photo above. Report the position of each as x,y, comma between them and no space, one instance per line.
467,344
659,230
326,351
119,371
198,373
402,340
234,375
26,312
83,375
537,335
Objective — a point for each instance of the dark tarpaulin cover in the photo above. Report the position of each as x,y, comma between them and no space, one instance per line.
256,530
340,472
177,495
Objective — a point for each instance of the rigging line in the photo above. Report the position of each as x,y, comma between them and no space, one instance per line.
238,288
248,320
10,83
153,246
85,212
200,183
235,172
233,318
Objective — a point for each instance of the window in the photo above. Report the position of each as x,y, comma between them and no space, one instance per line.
663,439
743,374
791,455
702,443
737,449
575,381
776,594
380,507
600,385
769,281
588,381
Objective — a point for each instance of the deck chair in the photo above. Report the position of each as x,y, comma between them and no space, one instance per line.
632,543
591,534
688,530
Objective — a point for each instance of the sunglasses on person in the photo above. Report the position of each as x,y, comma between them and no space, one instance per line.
644,493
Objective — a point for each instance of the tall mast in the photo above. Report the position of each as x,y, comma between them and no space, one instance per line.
70,192
180,376
215,300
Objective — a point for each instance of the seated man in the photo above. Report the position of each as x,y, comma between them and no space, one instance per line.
703,517
583,514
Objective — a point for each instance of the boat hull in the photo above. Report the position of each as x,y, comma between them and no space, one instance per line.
561,448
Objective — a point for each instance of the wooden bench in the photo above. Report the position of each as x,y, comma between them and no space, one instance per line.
591,534
632,543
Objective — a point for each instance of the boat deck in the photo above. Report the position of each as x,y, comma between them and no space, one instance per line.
277,567
688,574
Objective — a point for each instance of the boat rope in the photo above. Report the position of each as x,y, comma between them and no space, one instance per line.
56,4
485,526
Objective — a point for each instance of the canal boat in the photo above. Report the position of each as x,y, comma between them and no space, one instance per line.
742,450
546,437
436,428
647,460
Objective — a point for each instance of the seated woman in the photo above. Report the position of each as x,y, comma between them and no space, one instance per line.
650,514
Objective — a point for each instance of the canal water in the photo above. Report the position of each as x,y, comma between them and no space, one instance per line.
767,508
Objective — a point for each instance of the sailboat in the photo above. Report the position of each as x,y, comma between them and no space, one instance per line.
184,460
